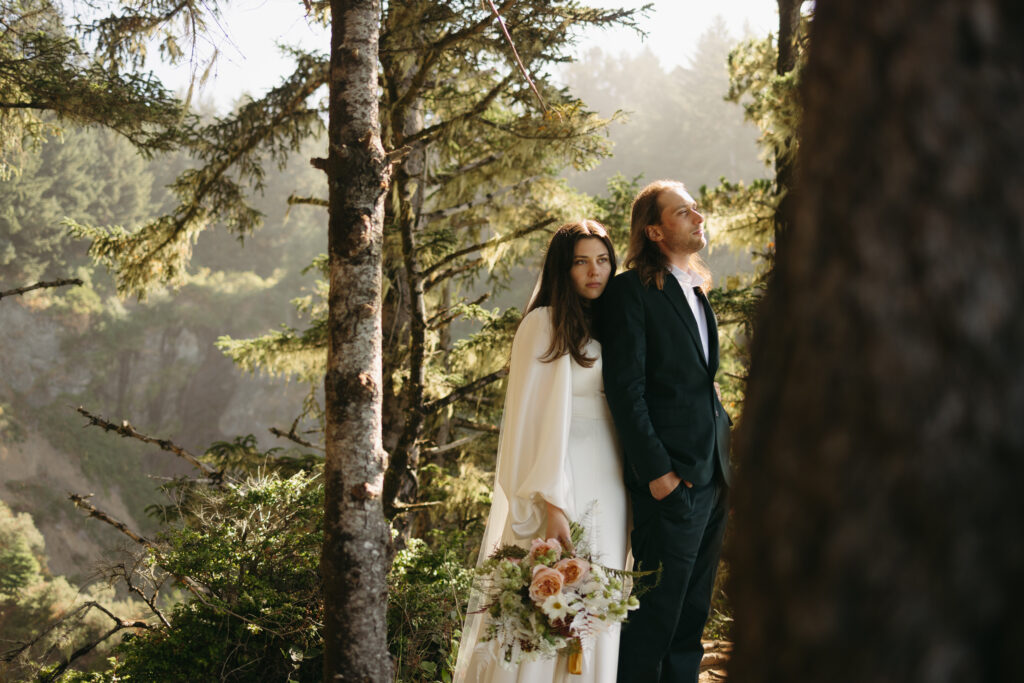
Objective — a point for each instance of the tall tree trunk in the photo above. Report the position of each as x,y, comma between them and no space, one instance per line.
355,553
878,512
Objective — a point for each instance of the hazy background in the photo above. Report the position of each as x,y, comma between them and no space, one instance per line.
155,363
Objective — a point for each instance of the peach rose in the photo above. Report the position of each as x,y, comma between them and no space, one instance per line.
539,546
546,582
573,570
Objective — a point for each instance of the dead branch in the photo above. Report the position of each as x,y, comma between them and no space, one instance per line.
400,507
78,613
475,426
293,436
82,503
119,625
465,389
126,574
73,282
515,53
126,430
458,443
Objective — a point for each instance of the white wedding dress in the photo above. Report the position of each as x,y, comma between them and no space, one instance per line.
557,444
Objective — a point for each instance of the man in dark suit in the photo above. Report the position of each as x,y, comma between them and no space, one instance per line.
660,354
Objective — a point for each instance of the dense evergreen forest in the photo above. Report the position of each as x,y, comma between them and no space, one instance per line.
217,345
171,456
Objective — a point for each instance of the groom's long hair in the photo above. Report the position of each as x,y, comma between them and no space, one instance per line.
643,254
570,314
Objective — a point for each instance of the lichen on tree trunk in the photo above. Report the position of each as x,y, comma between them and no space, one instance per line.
355,553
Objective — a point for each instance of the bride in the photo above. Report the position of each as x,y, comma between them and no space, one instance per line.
558,458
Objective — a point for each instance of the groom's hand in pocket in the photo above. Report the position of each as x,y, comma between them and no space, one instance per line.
666,484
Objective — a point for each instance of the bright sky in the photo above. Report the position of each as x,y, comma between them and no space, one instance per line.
250,62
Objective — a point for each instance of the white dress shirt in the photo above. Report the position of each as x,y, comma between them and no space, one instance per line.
687,279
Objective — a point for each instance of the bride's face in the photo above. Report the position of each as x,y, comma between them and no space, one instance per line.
591,267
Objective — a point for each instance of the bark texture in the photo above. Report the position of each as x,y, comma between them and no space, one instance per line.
356,537
878,516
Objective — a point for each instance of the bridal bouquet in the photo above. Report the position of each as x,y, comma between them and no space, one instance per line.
545,600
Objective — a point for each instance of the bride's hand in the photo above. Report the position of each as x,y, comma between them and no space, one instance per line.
558,527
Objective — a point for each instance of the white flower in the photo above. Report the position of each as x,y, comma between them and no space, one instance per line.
555,607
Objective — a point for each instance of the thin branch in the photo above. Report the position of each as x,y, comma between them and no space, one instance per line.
82,502
477,109
471,166
475,426
465,206
119,625
454,445
456,394
126,430
451,272
400,507
444,317
298,199
515,53
486,244
149,600
39,285
291,435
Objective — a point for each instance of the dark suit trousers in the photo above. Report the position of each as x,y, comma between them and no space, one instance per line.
661,641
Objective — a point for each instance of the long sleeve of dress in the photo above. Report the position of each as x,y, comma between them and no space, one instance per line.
532,462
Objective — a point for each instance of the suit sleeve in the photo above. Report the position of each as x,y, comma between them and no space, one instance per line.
624,344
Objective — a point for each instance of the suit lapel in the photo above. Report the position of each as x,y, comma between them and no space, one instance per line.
674,293
712,333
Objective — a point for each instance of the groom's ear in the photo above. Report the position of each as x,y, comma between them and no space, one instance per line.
654,233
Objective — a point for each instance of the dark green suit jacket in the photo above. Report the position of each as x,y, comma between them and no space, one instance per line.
659,386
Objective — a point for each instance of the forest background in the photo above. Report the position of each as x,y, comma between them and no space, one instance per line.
231,349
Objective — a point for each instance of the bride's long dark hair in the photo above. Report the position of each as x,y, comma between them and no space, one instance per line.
570,313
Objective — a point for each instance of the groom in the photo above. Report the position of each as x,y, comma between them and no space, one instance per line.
660,355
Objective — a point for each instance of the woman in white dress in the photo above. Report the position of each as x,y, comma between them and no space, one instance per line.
558,458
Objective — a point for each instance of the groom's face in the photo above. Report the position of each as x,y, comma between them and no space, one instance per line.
681,228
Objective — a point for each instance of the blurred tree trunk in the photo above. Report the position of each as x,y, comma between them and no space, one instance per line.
878,514
355,553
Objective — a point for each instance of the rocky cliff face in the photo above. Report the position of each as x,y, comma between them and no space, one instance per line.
165,376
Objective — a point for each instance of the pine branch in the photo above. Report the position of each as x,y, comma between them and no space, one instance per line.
126,430
40,285
455,395
433,52
486,244
451,272
471,166
442,318
479,201
474,111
